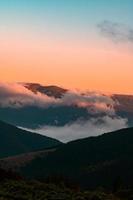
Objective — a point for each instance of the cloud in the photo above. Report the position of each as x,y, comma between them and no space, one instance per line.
17,96
101,111
82,129
94,102
117,32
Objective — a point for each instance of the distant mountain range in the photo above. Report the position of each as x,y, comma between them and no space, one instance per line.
34,116
14,141
92,162
123,107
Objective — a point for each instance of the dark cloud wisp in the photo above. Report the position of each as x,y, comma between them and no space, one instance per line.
117,32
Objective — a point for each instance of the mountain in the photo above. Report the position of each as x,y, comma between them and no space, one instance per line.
15,141
124,102
34,116
52,90
92,162
124,106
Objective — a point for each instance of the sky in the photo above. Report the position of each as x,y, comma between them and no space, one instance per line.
82,44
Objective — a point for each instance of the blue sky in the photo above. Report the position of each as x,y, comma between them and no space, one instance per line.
58,15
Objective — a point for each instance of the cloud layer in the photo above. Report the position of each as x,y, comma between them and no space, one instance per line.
82,129
100,108
117,32
17,96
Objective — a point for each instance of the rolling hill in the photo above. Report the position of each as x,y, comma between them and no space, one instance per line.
92,162
14,141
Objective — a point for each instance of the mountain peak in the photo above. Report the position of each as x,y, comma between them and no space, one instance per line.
51,90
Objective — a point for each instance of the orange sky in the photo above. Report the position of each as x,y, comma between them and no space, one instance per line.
73,44
73,64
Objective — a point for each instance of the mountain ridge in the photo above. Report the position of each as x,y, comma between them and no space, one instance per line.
94,161
50,90
35,116
15,141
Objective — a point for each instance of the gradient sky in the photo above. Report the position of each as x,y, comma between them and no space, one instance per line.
85,44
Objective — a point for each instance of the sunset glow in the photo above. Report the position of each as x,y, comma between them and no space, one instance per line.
61,44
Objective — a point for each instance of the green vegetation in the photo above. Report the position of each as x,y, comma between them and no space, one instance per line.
23,190
14,187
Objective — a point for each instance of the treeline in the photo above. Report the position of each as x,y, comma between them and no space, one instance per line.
14,187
